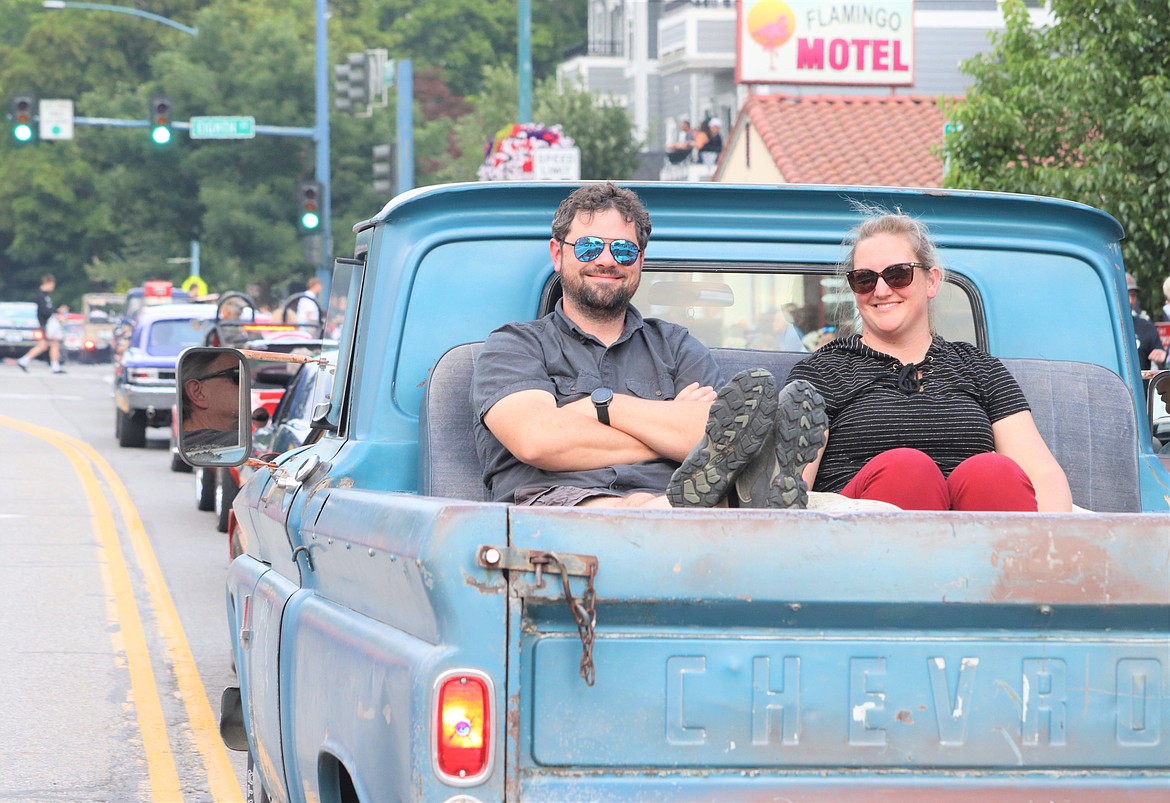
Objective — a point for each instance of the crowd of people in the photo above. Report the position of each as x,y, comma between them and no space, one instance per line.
702,145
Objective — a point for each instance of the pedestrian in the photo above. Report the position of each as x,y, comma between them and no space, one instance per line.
594,405
308,307
683,147
712,144
1149,342
51,327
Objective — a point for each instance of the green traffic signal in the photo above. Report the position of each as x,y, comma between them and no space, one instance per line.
160,120
22,116
309,201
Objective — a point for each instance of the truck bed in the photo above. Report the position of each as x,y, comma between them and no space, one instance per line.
993,647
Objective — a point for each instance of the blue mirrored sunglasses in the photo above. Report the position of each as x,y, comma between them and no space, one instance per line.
587,249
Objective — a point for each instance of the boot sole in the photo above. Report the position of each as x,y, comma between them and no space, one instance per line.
740,422
800,433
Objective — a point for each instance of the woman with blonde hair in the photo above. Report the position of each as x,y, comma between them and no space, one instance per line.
916,420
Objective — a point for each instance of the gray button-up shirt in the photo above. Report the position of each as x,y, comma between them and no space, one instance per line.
653,359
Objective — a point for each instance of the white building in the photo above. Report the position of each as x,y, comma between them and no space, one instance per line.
670,60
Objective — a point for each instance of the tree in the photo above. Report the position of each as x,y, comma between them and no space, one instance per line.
465,37
599,128
110,209
1079,110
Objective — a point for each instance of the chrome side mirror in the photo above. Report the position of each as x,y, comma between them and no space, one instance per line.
213,404
1158,410
1159,394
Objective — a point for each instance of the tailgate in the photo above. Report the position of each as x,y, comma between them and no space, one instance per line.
761,644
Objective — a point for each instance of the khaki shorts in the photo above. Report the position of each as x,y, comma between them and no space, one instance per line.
53,329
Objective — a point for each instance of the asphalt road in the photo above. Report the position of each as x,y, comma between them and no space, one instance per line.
114,647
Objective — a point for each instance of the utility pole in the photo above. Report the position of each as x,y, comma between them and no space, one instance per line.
524,61
405,116
321,136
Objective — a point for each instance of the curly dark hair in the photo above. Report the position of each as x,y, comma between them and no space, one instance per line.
593,198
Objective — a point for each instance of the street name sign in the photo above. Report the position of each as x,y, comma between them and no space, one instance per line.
223,128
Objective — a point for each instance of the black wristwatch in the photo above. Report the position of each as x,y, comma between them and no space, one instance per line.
601,399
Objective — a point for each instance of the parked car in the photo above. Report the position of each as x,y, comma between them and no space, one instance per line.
19,328
144,374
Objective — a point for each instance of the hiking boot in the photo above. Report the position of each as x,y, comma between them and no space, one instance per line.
773,478
738,425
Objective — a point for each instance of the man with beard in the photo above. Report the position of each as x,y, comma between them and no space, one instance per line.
594,405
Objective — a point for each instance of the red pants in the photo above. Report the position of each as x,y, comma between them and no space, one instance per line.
909,479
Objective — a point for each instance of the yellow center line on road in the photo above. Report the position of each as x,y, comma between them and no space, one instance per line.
164,778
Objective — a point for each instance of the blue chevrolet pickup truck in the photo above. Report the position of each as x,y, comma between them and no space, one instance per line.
397,637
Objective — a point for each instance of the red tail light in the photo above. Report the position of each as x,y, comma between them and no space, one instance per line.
463,727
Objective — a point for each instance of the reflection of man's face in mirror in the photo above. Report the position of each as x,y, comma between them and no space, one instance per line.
211,394
1164,392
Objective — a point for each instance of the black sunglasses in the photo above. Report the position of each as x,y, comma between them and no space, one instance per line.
228,373
895,276
587,249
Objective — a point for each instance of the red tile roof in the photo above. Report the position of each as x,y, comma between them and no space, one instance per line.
837,139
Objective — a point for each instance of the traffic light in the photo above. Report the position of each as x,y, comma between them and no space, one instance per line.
383,169
351,84
23,113
309,205
160,119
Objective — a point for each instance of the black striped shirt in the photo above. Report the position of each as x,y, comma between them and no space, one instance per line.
963,391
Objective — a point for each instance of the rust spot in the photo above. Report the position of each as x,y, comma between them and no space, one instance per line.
905,717
1077,558
1053,567
487,587
512,771
320,486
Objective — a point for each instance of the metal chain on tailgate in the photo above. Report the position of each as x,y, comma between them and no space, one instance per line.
583,610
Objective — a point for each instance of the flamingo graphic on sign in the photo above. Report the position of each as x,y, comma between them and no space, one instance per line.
771,24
